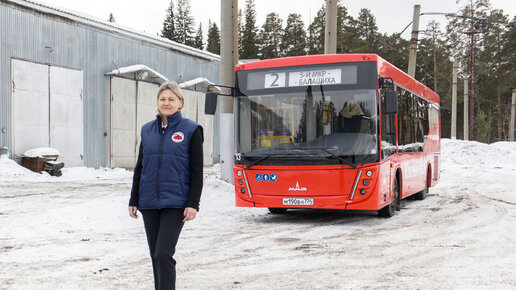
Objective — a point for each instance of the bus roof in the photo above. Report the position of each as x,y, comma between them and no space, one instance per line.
385,69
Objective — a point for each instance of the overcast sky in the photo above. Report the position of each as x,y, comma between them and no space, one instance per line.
391,16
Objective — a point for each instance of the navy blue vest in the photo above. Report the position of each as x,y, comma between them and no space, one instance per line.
165,178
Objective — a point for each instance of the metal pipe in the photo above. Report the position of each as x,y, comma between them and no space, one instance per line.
454,103
466,115
513,107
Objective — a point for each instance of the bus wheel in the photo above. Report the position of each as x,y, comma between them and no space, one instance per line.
389,210
422,194
275,210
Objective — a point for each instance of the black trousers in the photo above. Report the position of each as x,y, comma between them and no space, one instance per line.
163,227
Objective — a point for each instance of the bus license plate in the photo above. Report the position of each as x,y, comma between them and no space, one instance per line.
298,201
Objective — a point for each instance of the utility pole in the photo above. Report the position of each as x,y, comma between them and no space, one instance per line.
466,106
513,107
229,58
413,42
330,27
472,97
454,103
499,122
435,63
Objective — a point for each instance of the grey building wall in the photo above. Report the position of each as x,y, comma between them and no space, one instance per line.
42,36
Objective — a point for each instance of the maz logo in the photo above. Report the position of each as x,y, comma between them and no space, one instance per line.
297,188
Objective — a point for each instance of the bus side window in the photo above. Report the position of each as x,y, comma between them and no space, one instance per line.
388,143
404,122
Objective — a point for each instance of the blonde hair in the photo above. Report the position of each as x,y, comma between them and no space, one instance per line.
174,87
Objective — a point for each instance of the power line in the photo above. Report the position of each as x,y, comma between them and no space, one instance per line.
477,19
481,20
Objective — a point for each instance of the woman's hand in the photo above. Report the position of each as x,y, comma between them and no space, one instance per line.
189,214
133,212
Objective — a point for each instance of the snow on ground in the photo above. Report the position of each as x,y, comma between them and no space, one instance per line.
73,232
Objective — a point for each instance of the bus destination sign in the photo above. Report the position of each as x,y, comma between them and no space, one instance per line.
303,78
314,77
297,77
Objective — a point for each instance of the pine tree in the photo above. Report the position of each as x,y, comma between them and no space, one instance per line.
213,42
294,39
494,87
346,31
509,39
169,30
394,49
347,34
434,69
198,41
111,17
240,32
250,32
184,23
463,50
270,36
367,30
315,39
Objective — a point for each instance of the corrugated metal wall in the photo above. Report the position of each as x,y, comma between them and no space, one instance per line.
32,35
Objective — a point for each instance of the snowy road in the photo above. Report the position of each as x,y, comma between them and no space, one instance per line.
76,234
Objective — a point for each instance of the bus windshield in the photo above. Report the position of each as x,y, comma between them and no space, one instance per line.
318,122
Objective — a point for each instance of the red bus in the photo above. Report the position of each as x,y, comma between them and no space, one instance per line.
348,131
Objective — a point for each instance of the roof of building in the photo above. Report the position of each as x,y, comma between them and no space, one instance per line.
90,20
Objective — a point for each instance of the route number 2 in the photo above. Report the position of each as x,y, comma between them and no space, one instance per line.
274,80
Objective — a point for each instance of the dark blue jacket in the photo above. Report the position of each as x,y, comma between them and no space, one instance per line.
165,175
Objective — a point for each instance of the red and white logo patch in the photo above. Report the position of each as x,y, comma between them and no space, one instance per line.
178,137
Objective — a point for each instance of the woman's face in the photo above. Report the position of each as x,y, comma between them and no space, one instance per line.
168,103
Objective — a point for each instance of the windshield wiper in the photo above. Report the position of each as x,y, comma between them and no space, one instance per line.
267,156
257,161
325,149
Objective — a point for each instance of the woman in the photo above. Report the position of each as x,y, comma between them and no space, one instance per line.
167,181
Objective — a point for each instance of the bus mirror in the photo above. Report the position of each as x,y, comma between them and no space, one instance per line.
391,102
210,105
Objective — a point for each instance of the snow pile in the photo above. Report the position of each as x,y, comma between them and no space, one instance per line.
10,170
41,152
459,153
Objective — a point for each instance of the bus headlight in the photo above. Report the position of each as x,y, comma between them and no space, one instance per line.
369,173
242,190
366,182
362,192
239,173
241,182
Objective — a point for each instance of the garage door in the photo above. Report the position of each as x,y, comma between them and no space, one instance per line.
123,126
66,114
47,110
133,104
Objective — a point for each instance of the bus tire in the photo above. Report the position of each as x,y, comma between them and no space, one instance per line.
277,210
389,210
422,194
